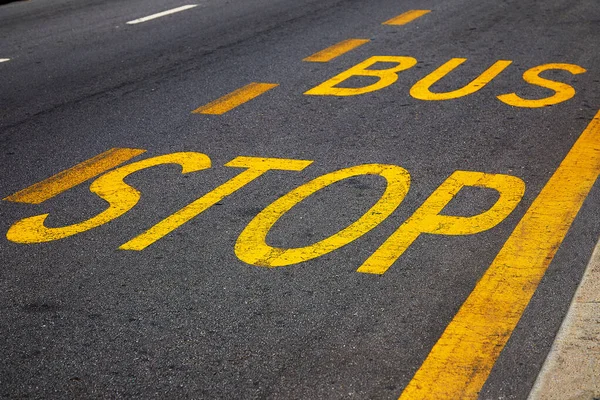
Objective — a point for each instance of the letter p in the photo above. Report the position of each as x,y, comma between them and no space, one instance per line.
428,217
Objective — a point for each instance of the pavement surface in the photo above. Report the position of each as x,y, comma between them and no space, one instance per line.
396,277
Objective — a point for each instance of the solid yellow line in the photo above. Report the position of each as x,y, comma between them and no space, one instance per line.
336,50
67,179
235,98
407,17
461,360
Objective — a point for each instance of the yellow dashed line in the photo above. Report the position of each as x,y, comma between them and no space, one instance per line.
407,17
336,50
235,98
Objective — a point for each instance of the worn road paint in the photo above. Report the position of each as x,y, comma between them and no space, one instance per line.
461,360
110,187
406,17
67,179
336,50
428,217
256,167
420,90
563,91
251,246
235,98
162,14
386,76
4,60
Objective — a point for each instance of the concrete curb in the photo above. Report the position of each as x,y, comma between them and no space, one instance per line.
572,369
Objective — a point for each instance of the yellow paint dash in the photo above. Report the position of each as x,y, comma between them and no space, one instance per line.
235,98
67,179
406,17
461,360
336,50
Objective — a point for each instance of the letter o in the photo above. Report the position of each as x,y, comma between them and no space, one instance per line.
251,246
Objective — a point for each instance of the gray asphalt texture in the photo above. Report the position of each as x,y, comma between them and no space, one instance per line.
185,318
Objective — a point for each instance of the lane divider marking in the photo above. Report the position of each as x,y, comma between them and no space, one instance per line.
406,17
336,50
461,360
162,14
68,179
235,98
4,60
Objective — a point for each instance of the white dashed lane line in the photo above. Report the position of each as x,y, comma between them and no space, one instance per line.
162,14
4,60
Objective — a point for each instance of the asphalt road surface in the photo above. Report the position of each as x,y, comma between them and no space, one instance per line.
200,246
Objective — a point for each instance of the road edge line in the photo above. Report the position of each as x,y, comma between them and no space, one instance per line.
459,363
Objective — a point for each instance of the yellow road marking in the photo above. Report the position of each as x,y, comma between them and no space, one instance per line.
67,179
563,92
461,360
407,17
420,90
386,76
110,187
429,218
256,167
252,248
336,50
235,98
